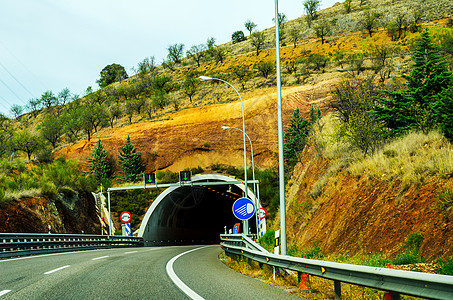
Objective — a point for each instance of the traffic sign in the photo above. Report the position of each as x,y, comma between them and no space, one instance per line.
236,228
243,208
125,217
262,213
150,178
185,176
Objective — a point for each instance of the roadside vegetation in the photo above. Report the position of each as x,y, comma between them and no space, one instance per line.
19,180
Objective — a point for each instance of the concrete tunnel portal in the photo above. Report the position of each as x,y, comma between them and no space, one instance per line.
193,214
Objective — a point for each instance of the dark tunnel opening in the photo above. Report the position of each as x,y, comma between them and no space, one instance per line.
194,214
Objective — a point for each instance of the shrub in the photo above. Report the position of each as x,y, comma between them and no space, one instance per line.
445,267
167,177
444,201
411,250
267,241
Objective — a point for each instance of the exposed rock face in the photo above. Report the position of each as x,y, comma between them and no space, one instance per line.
69,212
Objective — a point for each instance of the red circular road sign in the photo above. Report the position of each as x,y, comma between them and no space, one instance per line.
262,213
125,217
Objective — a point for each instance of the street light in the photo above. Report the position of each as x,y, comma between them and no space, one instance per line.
205,78
253,169
281,168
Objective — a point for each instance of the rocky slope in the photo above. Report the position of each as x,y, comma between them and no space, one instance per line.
69,212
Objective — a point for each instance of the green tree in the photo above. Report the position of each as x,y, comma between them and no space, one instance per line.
48,99
353,101
295,35
110,74
322,30
318,61
64,96
130,161
190,84
147,65
16,110
175,53
238,36
99,163
266,68
445,112
295,136
369,22
51,129
417,106
250,26
197,53
243,74
397,27
72,123
218,53
33,106
347,6
257,39
311,7
26,142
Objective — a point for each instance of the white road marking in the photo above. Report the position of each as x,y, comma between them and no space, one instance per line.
100,257
4,292
55,270
130,252
181,285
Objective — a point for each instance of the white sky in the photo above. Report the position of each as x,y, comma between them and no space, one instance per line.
53,44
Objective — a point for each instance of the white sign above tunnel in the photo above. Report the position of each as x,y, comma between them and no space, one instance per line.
243,208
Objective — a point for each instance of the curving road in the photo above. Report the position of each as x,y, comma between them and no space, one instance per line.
182,272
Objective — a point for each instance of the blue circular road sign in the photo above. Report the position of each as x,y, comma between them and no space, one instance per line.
243,208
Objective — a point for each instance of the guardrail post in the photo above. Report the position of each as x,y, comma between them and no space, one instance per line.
337,288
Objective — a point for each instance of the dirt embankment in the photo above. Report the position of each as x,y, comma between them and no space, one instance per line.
193,137
66,213
364,215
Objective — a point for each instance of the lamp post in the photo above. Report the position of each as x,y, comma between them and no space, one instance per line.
253,170
205,78
281,168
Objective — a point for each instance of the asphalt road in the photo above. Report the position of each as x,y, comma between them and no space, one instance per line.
132,273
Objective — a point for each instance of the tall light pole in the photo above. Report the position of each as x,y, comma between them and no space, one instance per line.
281,167
253,171
205,78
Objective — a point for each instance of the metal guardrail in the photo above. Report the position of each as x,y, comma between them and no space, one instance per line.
20,244
416,284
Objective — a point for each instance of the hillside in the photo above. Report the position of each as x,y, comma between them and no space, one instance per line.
329,204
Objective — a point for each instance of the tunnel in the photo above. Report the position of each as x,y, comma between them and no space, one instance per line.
194,214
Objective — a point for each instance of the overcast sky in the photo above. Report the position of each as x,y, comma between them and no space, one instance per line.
53,44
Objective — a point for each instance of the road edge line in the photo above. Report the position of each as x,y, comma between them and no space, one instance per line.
181,285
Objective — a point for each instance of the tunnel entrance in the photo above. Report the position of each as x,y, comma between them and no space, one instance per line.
194,214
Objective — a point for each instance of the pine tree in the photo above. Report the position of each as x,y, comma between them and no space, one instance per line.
99,162
131,162
445,114
417,105
296,136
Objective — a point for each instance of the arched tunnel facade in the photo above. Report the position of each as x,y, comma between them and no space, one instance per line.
193,214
